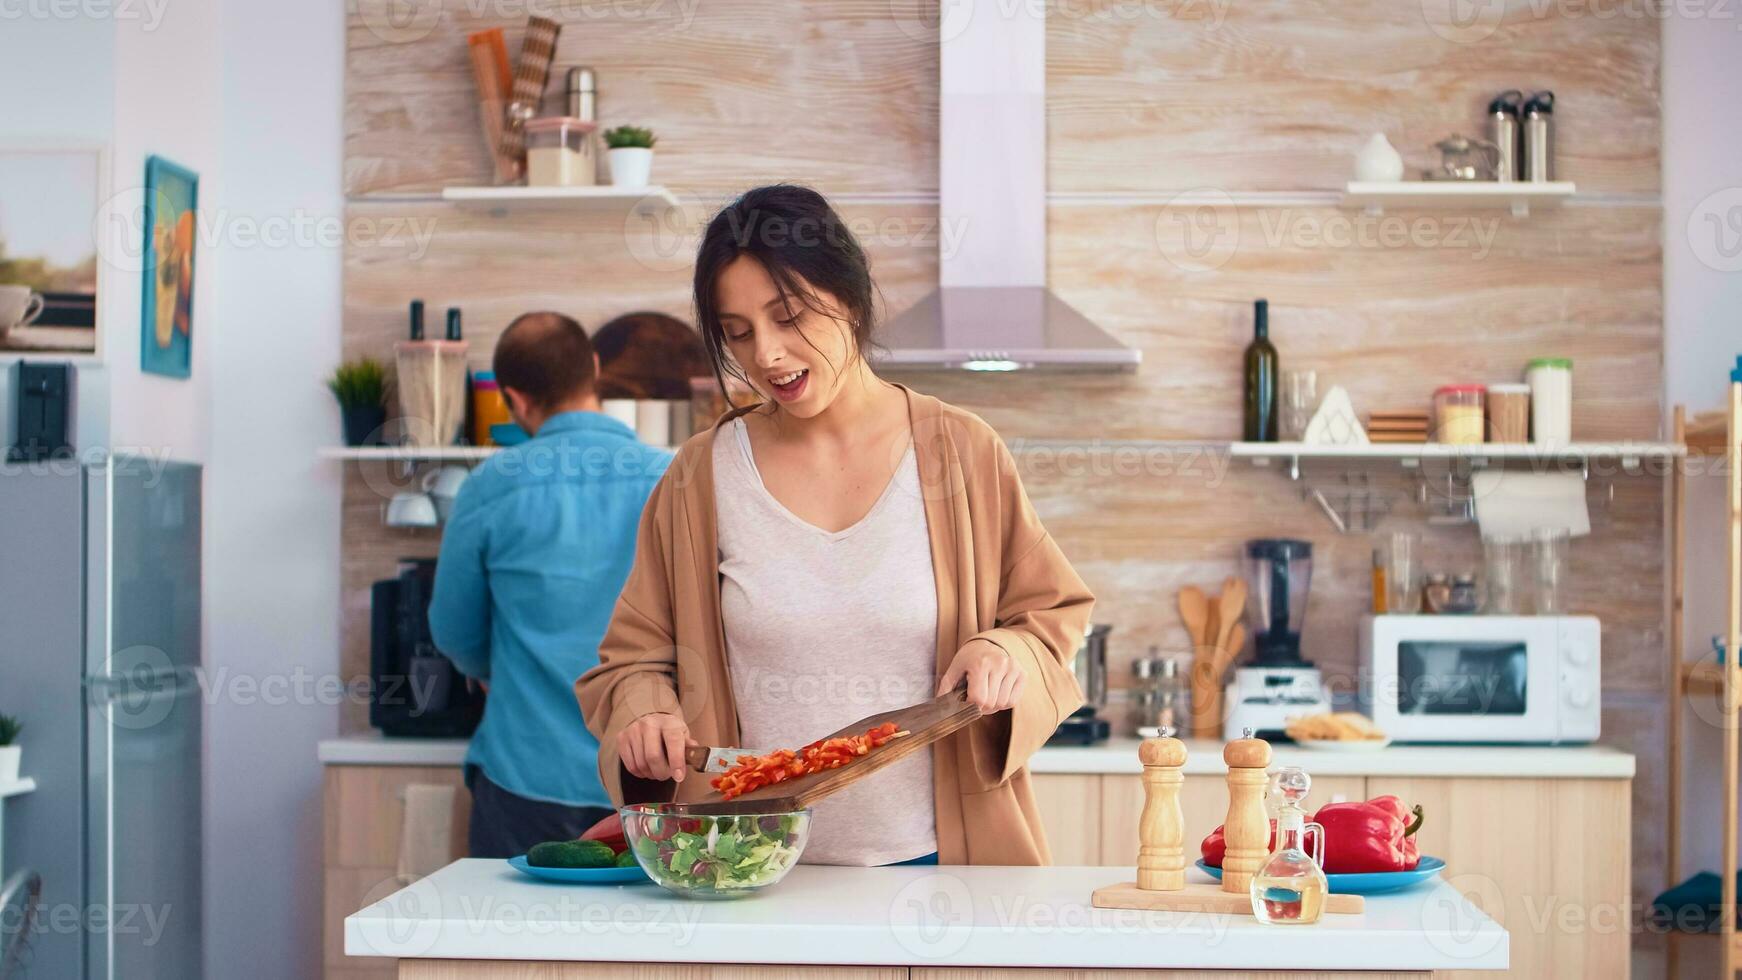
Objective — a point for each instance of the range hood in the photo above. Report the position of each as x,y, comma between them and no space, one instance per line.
992,310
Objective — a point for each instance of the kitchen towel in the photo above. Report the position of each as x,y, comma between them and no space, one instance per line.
1516,505
426,831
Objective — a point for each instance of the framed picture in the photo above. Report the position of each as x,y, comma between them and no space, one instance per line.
50,198
166,340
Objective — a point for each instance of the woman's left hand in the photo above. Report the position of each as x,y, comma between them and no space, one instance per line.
994,679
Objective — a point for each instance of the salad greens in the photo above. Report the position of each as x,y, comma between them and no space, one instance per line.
719,853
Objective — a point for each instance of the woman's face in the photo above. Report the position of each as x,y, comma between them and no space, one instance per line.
794,356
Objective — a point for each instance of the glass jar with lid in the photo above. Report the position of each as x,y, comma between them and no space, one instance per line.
1160,694
1458,413
559,152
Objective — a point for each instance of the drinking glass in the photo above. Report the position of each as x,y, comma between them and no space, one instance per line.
1550,545
1403,572
1300,395
1500,559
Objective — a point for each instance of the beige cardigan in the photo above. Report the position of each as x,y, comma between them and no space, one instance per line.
1000,577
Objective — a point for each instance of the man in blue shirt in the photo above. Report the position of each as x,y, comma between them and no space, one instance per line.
537,547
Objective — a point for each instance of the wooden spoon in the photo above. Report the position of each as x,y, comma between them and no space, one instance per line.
1194,610
1229,608
1226,654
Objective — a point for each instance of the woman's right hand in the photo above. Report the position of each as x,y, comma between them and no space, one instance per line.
652,747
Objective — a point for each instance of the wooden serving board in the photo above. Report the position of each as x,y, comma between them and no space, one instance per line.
1203,896
925,723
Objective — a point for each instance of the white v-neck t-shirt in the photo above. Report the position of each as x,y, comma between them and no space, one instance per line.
824,628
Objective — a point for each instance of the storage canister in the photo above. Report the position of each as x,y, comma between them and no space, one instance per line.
559,152
1551,400
1458,413
1509,412
488,407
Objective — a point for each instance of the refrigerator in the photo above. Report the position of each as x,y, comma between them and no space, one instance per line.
99,657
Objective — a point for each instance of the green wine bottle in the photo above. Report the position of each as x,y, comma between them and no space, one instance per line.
1261,375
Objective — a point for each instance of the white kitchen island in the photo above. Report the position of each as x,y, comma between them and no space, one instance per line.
482,919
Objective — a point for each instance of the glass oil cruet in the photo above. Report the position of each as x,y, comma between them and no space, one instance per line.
1289,888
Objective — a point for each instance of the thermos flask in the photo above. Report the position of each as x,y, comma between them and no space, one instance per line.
1503,133
1538,125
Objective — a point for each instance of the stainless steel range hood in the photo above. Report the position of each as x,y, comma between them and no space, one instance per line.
992,310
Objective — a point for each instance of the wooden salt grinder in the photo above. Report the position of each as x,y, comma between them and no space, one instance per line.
1161,831
1247,828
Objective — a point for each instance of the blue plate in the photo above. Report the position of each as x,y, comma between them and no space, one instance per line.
580,876
1375,883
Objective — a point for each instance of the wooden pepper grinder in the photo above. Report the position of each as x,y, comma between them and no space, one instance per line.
1247,828
1161,830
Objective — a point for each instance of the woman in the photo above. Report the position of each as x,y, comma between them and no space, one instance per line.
844,547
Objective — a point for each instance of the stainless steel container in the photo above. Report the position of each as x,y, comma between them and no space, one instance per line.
583,95
1090,665
1538,126
1503,126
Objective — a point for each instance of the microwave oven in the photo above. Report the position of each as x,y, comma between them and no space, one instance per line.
1452,678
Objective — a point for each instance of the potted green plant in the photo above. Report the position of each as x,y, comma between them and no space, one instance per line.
361,388
10,751
630,153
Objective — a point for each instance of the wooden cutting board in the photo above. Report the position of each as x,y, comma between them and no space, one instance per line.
925,723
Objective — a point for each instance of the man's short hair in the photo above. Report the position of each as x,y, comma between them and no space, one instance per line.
546,357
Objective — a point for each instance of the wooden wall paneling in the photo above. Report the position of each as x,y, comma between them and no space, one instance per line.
1389,307
1280,94
841,94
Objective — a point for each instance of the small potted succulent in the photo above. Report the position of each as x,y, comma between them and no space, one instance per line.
361,388
10,751
630,153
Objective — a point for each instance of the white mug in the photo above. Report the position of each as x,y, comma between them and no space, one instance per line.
409,508
443,484
19,306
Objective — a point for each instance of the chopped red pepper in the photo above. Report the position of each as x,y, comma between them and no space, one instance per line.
782,764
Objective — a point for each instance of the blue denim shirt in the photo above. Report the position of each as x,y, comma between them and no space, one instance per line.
535,552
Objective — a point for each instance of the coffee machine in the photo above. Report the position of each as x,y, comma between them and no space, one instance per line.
414,689
1085,726
1278,683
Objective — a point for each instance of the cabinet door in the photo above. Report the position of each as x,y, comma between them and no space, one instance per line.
1203,800
1549,859
364,811
1070,810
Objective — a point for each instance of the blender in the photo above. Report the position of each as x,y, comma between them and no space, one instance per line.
1278,684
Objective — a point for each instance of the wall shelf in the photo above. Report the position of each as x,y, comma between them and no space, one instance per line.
1515,196
599,199
1410,454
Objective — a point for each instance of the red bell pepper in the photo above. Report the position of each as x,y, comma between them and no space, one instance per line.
1378,835
609,832
1360,838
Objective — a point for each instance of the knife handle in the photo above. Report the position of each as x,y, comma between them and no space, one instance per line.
696,757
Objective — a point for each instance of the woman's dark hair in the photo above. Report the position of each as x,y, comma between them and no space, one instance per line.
649,355
806,248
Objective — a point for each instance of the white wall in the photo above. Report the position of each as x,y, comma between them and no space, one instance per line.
168,90
1702,281
273,522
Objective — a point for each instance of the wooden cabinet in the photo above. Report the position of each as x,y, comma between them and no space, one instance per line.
364,809
1070,810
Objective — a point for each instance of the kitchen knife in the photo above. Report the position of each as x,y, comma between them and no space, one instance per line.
703,758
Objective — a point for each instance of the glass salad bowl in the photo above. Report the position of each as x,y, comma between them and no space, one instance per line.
714,856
